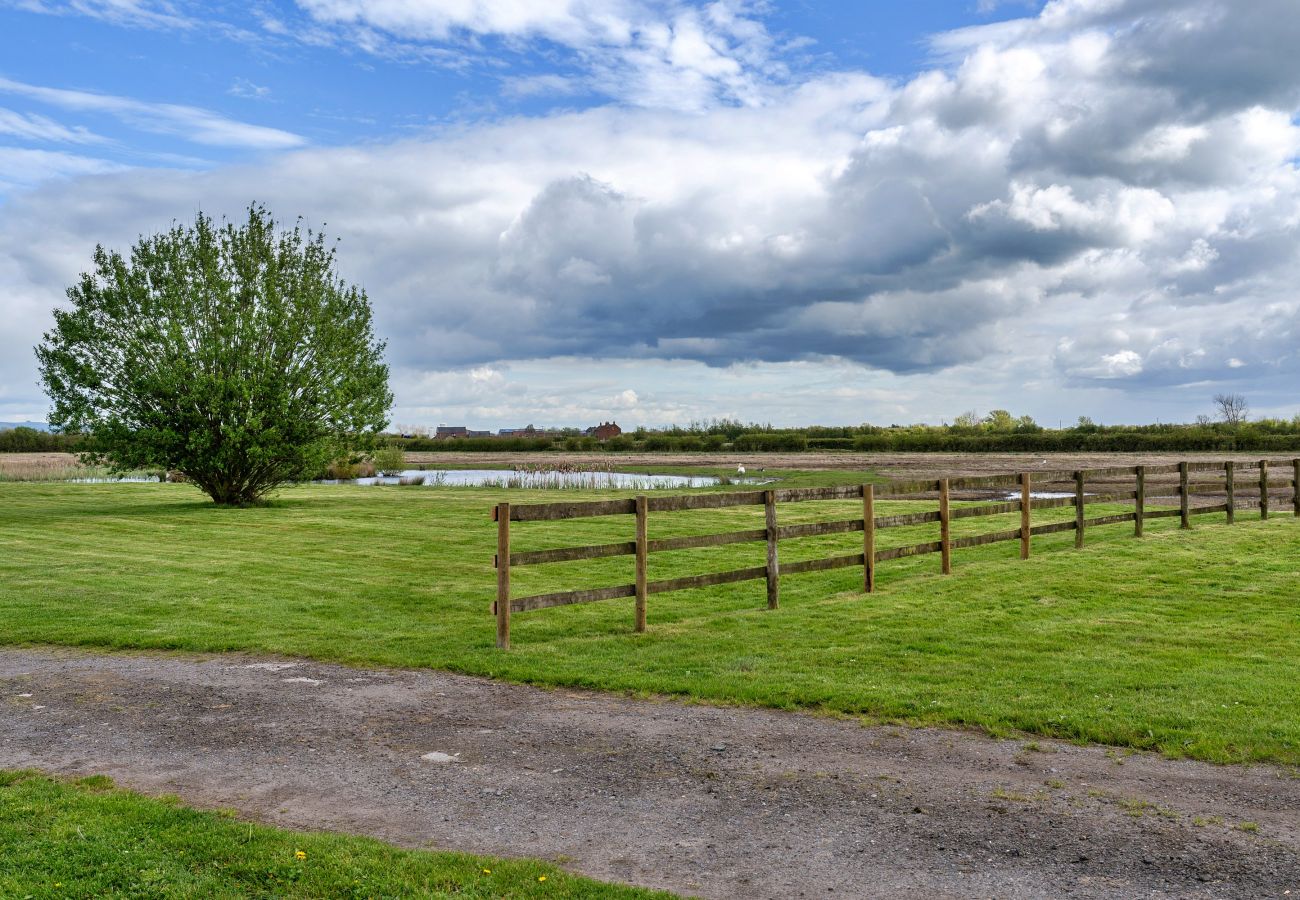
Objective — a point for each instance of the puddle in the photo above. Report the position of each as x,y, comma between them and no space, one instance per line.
505,478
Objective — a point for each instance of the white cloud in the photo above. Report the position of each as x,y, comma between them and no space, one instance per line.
1054,214
651,53
28,167
190,123
29,126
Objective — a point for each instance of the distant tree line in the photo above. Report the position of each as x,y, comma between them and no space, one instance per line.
998,431
29,440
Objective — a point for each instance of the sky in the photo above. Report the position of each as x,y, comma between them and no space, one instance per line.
666,211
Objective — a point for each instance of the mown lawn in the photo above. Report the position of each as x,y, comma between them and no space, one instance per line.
85,838
1184,642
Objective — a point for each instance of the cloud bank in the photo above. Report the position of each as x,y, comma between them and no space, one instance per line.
1103,197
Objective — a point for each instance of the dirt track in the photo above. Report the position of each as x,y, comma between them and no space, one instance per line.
702,800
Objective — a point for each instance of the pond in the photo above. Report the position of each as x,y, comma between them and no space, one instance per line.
505,478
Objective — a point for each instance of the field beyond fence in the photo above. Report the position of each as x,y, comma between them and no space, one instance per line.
1174,490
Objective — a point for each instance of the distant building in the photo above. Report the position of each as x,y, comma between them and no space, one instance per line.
604,431
451,431
529,431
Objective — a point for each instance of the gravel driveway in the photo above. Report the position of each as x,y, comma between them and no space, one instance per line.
717,802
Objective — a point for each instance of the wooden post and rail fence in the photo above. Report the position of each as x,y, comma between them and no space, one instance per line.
869,524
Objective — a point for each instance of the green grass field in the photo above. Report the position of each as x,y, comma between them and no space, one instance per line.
1184,642
85,838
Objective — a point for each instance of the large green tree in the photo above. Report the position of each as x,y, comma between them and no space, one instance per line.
233,354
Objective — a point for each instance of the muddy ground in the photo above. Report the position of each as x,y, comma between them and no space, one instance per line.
717,802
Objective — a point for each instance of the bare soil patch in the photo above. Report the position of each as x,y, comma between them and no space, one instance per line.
904,466
717,802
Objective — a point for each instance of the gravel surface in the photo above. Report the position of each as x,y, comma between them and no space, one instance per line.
717,802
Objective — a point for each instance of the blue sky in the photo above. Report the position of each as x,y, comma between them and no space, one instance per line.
665,210
257,64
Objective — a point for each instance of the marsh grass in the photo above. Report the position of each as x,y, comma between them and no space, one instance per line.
37,467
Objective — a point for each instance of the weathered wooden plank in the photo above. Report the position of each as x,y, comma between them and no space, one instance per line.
1295,486
1230,487
1113,497
705,501
502,607
1205,467
1051,502
993,509
695,581
1140,501
1054,527
1026,510
1170,469
819,565
1043,476
1163,513
1112,472
983,481
895,488
689,542
786,532
569,554
945,527
1203,510
980,540
901,552
773,538
802,495
908,519
568,598
1263,489
1205,488
869,538
1080,522
1182,494
1109,520
538,512
642,561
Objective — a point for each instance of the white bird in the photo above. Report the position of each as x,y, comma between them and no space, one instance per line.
740,470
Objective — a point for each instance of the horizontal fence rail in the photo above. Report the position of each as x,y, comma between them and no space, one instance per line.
1249,484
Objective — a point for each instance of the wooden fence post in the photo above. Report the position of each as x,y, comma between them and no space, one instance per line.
773,571
945,527
869,537
502,516
1078,509
1230,485
1295,485
1184,511
1140,501
1263,489
1026,505
642,560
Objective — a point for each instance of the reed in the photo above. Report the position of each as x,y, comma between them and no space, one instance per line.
37,467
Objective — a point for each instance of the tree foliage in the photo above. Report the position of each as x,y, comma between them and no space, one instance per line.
232,354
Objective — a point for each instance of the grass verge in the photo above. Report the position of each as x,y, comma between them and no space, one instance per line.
1183,642
85,838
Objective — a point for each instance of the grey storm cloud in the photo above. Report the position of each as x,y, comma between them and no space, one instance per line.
1119,178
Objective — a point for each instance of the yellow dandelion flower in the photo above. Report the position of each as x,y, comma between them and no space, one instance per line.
541,877
487,871
298,854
